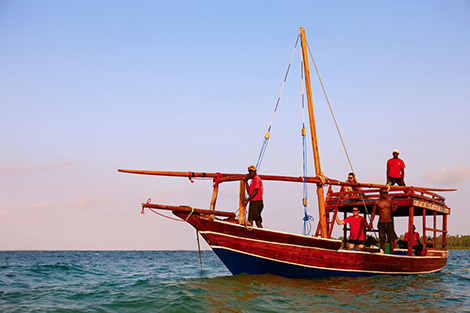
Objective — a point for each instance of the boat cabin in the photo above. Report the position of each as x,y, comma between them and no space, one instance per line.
410,202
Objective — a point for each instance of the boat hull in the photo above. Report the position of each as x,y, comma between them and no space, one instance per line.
261,251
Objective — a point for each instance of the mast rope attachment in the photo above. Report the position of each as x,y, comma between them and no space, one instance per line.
192,211
216,180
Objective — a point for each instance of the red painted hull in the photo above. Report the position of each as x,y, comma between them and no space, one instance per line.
291,255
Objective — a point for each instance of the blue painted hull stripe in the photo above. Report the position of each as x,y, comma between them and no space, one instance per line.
232,258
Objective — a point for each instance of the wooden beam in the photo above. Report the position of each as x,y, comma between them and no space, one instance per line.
187,209
236,177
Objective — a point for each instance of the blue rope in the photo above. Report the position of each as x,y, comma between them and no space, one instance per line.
261,153
308,219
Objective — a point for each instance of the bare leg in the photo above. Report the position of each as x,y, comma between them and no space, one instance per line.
258,223
351,246
392,246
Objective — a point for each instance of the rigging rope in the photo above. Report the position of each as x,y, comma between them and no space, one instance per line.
331,110
336,124
307,218
266,137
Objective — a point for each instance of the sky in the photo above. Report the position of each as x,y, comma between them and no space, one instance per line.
88,87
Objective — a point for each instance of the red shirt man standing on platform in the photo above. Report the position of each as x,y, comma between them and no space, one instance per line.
396,170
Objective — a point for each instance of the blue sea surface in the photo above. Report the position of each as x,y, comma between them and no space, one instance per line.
172,281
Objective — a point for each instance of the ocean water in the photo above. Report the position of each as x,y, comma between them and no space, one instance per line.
172,281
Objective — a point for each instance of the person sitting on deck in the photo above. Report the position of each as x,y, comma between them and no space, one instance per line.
352,180
386,229
415,241
357,223
395,170
255,196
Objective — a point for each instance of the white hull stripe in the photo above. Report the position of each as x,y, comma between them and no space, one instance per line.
275,231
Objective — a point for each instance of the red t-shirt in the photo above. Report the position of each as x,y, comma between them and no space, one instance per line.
357,225
415,239
395,166
256,183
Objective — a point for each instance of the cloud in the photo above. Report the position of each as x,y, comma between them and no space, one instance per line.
48,167
78,204
450,175
52,166
85,203
40,205
6,171
4,215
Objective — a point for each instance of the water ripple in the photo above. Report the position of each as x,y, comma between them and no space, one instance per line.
172,281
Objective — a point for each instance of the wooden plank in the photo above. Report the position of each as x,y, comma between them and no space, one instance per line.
187,209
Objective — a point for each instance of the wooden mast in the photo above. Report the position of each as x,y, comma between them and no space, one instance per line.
316,156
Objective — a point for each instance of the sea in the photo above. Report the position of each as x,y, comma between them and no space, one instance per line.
173,281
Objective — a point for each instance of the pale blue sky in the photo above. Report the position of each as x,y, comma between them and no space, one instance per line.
87,87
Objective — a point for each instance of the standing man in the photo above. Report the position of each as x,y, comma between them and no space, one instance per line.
255,197
396,170
385,225
357,223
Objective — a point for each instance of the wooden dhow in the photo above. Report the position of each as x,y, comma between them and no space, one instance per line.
245,249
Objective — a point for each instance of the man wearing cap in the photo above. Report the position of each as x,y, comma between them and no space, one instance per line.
255,197
396,170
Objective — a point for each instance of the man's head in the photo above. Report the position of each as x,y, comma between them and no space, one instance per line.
383,192
355,211
395,153
351,177
251,171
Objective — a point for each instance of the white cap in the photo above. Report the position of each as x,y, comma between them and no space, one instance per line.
397,151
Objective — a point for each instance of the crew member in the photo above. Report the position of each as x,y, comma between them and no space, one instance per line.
395,170
255,197
357,223
386,228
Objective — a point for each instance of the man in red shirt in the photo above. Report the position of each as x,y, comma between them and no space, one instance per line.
255,197
417,246
396,170
357,223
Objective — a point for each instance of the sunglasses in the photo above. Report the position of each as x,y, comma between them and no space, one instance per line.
355,210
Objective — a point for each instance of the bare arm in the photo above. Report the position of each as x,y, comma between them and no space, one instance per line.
252,195
372,216
339,222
